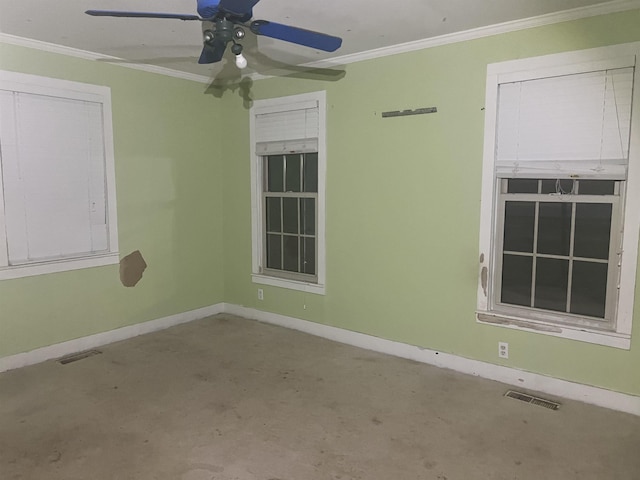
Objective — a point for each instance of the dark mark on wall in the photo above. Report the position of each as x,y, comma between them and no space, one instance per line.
484,273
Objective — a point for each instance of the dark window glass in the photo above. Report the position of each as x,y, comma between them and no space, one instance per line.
274,220
308,216
274,251
290,215
522,185
290,262
518,226
593,226
589,288
310,177
596,187
275,173
552,279
516,279
554,228
293,173
557,186
290,222
308,255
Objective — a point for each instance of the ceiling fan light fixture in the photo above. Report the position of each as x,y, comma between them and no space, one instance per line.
241,61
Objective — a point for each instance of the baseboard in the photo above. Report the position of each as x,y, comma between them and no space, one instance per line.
99,339
511,376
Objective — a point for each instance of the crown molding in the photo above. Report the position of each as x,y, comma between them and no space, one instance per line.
614,6
86,55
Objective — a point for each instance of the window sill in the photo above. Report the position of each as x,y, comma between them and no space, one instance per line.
581,334
290,284
29,270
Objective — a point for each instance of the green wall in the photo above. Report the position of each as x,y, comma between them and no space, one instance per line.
168,181
403,204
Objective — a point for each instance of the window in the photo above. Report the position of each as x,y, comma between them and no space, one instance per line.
288,178
290,197
556,250
57,192
559,219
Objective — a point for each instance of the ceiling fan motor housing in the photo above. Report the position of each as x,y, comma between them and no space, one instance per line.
224,31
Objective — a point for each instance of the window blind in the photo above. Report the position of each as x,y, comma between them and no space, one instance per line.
563,126
53,174
294,130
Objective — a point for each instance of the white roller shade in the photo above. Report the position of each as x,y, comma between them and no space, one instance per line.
292,131
568,125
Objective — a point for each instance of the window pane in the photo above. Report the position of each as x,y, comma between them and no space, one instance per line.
293,173
596,187
290,214
274,251
557,186
274,220
275,173
311,172
552,280
593,226
308,216
308,255
589,288
290,253
516,280
554,228
522,185
518,226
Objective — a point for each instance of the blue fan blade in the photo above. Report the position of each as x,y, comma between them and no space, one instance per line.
112,13
238,7
208,8
212,54
297,35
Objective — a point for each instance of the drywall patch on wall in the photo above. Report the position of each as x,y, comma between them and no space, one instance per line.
131,269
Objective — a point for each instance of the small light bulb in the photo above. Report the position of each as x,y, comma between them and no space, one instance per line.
241,62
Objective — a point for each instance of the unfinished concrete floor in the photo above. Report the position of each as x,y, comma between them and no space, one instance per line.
226,398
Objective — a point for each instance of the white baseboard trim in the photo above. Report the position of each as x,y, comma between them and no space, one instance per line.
99,339
531,381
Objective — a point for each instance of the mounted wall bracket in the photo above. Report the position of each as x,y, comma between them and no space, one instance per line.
405,113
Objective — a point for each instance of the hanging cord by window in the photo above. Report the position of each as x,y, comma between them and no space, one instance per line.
610,85
561,191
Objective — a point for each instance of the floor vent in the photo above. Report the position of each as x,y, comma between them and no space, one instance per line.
541,402
74,357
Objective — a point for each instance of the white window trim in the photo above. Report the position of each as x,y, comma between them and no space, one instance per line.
617,56
20,82
273,105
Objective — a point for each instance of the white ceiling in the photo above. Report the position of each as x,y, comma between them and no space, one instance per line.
363,24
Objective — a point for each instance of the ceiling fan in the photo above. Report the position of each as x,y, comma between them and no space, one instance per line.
228,17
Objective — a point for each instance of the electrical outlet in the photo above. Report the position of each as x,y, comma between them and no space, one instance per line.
260,294
503,349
